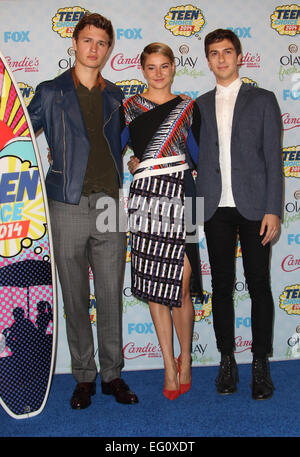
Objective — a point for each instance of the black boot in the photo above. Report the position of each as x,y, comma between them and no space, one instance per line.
262,385
227,379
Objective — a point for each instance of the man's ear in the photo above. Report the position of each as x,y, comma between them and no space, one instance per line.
74,44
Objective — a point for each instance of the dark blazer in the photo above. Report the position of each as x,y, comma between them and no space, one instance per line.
55,108
256,159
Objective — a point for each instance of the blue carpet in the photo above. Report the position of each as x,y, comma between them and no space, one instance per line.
199,413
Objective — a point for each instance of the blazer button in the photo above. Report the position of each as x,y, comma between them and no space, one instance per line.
217,170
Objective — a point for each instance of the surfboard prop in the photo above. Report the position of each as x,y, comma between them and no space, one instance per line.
28,293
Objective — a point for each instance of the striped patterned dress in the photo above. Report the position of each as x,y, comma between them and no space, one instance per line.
156,208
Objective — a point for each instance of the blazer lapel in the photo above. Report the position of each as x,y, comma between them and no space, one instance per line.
211,113
239,104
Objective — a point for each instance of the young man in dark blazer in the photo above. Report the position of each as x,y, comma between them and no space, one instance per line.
240,178
79,112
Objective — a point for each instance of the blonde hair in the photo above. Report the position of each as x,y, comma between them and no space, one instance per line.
159,48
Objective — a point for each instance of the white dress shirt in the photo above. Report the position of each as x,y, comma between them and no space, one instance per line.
225,101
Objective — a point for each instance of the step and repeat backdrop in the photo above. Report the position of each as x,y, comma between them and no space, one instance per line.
36,40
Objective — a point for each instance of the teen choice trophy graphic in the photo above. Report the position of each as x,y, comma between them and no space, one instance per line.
27,270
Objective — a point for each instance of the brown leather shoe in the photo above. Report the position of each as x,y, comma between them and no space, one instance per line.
81,397
120,390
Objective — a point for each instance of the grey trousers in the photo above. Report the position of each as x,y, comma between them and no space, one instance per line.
78,244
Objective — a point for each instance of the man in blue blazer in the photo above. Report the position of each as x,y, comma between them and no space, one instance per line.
240,178
81,117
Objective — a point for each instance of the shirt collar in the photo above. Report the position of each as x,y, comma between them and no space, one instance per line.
99,83
232,88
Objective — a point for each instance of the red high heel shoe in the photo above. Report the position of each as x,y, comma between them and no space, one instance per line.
172,394
183,388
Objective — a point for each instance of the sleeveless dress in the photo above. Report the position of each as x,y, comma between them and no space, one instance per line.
164,138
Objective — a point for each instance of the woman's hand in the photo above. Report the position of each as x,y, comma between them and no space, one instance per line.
132,164
185,97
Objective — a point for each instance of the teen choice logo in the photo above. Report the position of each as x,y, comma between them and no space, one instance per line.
184,20
249,81
291,162
66,19
286,20
290,299
132,87
27,92
128,247
202,309
92,309
22,215
238,248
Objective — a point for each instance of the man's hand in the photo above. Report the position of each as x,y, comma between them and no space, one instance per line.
132,164
49,157
270,227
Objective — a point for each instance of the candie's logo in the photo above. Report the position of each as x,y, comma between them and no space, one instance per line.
291,161
184,20
65,20
120,62
286,20
290,263
28,64
289,122
132,351
242,345
205,268
250,60
132,87
290,299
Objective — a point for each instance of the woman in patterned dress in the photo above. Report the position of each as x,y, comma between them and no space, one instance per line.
161,126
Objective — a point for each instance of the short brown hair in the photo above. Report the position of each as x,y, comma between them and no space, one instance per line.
220,35
98,21
159,48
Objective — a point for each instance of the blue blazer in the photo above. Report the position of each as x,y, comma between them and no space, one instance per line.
256,158
55,108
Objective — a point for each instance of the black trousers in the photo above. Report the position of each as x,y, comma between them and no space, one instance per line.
221,235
